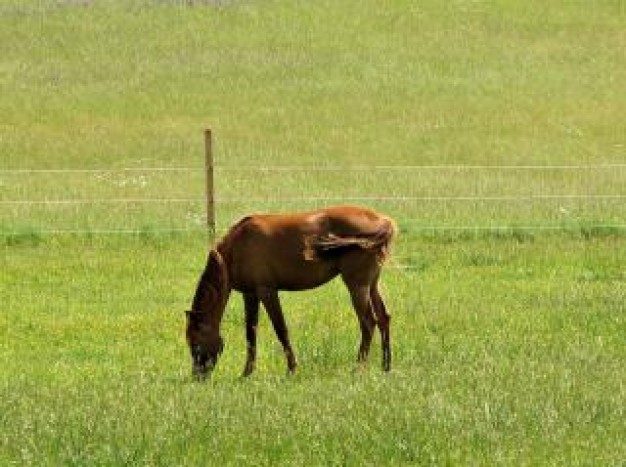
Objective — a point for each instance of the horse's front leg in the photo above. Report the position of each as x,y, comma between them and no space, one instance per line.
270,300
251,305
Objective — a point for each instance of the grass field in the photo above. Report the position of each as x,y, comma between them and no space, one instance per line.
508,281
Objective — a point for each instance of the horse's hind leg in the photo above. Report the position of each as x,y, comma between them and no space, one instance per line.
359,271
383,319
270,300
251,303
363,306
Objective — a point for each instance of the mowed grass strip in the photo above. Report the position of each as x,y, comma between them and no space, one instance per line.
117,84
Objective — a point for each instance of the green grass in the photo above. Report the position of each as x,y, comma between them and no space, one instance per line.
508,313
508,82
505,353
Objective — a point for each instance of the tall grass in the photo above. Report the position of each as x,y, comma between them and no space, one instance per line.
504,353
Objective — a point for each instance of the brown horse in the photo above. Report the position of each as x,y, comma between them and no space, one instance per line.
263,254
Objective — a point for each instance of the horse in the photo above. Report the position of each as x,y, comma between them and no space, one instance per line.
263,254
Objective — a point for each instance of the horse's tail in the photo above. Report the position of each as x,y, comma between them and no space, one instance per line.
378,241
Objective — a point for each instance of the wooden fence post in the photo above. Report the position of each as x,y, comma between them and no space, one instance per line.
210,195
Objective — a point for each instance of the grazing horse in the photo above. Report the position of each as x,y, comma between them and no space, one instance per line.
263,254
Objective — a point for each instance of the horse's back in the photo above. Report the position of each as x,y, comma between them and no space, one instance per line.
267,250
275,249
337,220
353,220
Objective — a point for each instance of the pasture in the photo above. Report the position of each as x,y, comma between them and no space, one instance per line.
493,132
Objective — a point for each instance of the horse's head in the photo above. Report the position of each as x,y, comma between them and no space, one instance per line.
205,343
203,322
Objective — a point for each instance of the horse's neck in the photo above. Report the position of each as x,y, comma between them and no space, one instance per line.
212,294
206,295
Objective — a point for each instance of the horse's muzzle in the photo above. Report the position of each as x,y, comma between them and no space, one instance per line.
199,375
202,372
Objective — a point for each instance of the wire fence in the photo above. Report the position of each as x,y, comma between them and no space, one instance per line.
297,199
321,168
8,177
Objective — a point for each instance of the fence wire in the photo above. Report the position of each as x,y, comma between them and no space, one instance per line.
319,168
268,170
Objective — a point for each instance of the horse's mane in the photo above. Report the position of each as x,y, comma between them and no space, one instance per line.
213,284
203,290
223,246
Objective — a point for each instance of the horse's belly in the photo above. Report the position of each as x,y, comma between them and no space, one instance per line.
302,276
306,281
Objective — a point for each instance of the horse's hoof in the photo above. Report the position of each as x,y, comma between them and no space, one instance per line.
247,371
